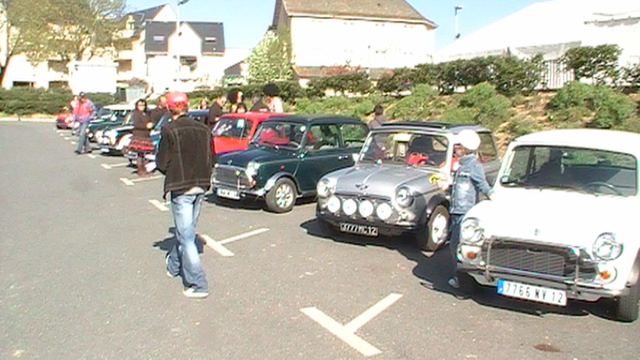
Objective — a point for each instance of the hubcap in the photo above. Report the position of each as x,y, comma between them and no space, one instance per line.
439,229
284,196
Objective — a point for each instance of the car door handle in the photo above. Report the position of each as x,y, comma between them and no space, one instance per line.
343,157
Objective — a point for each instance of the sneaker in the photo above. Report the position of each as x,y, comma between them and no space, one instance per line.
166,261
453,282
195,293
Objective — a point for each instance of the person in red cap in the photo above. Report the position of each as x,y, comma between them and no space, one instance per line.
185,158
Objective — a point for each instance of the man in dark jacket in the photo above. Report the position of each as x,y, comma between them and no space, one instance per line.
215,111
185,158
159,111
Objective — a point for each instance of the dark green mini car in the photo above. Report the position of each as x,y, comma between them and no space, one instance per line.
286,158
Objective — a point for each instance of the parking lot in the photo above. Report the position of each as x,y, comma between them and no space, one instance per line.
82,268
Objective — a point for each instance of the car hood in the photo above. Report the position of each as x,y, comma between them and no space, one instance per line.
120,128
553,216
258,154
382,179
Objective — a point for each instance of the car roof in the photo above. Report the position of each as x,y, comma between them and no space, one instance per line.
251,115
316,119
438,126
119,107
610,140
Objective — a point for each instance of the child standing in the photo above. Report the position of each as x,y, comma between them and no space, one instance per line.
469,181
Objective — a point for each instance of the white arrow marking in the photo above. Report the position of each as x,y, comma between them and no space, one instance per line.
221,249
160,205
346,333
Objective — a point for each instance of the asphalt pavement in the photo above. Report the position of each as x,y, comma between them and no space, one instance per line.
82,277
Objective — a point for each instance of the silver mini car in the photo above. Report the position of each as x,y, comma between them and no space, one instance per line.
391,190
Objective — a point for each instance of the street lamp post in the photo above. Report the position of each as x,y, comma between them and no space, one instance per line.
457,8
177,48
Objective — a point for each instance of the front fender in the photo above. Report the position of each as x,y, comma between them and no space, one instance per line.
271,182
438,198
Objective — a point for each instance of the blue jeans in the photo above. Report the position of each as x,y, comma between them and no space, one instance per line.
454,239
184,257
83,140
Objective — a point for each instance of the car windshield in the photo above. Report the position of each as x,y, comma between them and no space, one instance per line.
406,148
280,134
577,169
237,128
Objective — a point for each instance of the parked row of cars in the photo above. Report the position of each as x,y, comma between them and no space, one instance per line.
558,226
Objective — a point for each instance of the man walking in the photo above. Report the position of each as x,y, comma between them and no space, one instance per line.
185,158
83,113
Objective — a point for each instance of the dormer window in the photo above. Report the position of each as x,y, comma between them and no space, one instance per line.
158,38
210,40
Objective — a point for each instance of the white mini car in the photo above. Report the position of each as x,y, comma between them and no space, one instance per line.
560,223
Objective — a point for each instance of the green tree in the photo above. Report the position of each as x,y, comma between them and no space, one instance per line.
270,60
59,29
598,63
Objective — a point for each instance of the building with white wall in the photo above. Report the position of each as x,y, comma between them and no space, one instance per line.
368,34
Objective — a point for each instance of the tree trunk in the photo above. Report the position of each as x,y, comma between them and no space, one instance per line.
3,69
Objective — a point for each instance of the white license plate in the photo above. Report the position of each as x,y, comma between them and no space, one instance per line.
229,194
359,229
533,293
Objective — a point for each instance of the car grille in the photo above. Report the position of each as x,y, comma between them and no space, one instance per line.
231,176
555,261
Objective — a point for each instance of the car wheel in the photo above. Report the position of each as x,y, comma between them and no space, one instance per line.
627,306
282,196
434,235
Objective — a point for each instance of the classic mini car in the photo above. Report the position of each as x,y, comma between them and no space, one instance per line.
234,131
392,188
113,115
559,225
286,157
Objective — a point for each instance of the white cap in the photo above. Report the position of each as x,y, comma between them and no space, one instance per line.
468,139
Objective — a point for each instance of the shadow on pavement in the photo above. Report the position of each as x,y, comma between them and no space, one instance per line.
433,270
169,242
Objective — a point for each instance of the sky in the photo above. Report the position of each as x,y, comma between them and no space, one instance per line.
245,21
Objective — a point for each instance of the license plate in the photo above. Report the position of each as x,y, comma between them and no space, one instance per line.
533,293
359,229
229,194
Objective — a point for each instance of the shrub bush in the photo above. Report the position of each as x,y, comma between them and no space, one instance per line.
27,101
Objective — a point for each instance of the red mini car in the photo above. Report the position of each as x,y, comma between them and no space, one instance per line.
234,131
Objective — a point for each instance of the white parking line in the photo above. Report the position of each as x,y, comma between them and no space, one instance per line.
73,143
346,333
221,249
111,166
91,156
131,182
162,206
66,137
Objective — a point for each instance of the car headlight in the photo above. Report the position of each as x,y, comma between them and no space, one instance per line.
470,231
384,211
325,187
252,168
404,197
607,247
333,204
365,208
349,207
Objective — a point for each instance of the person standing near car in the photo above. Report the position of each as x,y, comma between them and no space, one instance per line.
469,181
215,111
83,113
159,111
378,118
185,158
141,142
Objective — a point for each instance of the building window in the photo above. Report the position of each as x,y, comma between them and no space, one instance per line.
210,40
158,38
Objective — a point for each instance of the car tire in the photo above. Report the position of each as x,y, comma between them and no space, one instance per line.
282,196
435,234
627,306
